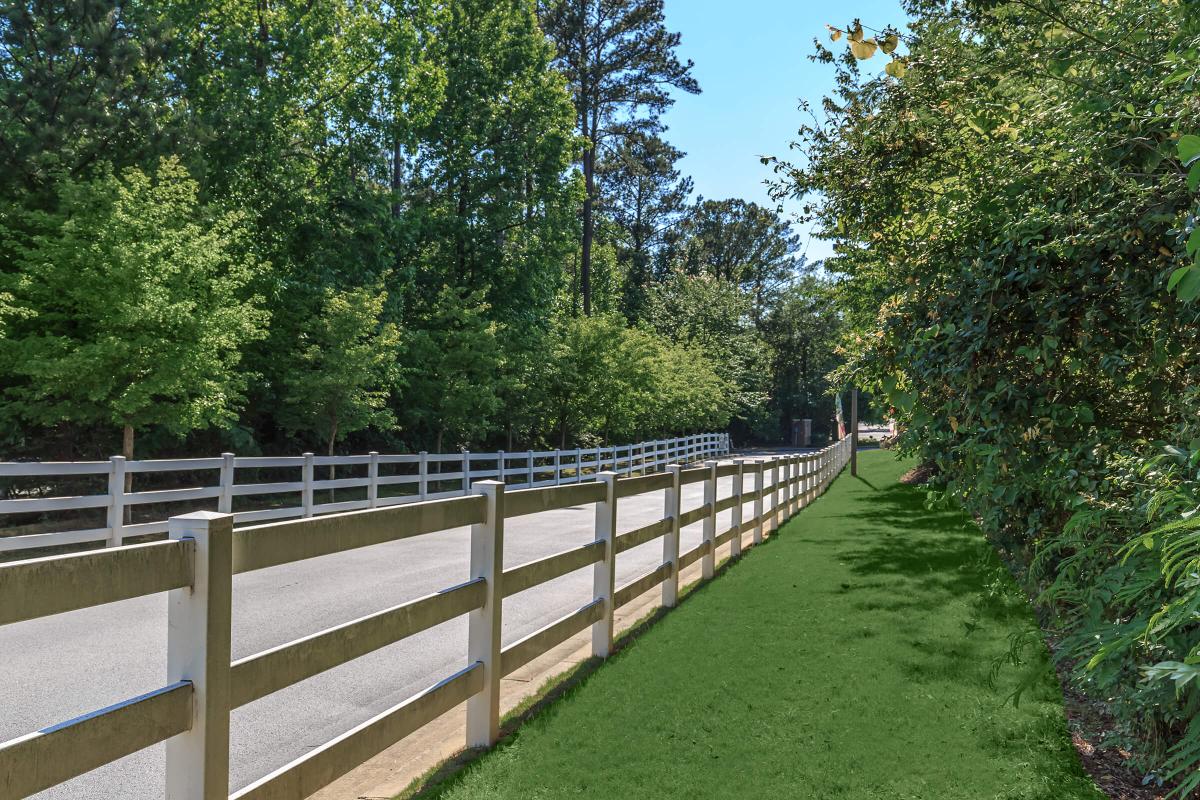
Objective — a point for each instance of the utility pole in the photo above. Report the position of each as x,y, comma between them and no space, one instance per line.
854,432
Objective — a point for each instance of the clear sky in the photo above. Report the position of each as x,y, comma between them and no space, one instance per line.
752,64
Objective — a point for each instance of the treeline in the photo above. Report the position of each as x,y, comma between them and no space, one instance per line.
1015,201
400,225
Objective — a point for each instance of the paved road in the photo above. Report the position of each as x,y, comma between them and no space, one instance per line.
56,668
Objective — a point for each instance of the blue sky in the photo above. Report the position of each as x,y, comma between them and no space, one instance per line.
752,64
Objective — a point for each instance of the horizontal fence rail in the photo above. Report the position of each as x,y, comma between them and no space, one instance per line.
382,480
191,711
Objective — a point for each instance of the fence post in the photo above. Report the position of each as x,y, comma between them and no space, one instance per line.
198,651
373,479
500,466
466,472
604,572
116,500
793,490
423,474
735,547
670,587
225,500
578,465
758,501
306,476
709,561
558,468
484,624
529,457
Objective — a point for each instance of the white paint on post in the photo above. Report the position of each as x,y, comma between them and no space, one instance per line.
484,624
604,571
373,480
225,500
578,465
670,587
735,547
557,468
198,651
306,494
466,472
758,501
500,466
709,562
529,462
116,500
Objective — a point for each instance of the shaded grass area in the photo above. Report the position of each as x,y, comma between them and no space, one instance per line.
850,657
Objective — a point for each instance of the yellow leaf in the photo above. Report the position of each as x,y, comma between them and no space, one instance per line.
896,68
954,424
863,49
856,34
890,42
834,33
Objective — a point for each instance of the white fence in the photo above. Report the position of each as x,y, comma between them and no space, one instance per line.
196,566
418,476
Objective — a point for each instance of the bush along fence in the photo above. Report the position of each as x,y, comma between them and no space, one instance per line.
384,480
197,563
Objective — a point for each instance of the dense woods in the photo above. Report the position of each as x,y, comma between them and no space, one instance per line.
1014,201
401,225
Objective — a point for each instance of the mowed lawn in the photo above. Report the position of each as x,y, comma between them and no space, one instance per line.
847,658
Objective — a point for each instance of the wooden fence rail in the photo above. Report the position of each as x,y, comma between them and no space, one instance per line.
196,566
417,477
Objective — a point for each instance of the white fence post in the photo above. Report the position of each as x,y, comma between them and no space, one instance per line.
604,571
484,624
558,468
423,474
225,501
529,460
198,651
775,509
373,479
735,548
670,587
466,472
116,500
709,561
578,465
306,494
793,470
500,466
759,475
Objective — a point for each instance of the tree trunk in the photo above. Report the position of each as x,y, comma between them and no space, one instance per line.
585,259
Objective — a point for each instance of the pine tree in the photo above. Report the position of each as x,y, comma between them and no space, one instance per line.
619,60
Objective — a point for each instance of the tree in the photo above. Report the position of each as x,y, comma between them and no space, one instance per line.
742,242
714,316
346,371
804,328
452,390
619,60
645,194
81,84
132,307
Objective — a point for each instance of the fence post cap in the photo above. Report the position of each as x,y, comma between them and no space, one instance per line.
202,516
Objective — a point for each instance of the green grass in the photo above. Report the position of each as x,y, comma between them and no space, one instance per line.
848,658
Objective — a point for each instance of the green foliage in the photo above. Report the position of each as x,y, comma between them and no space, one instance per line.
1012,213
347,368
394,167
131,306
